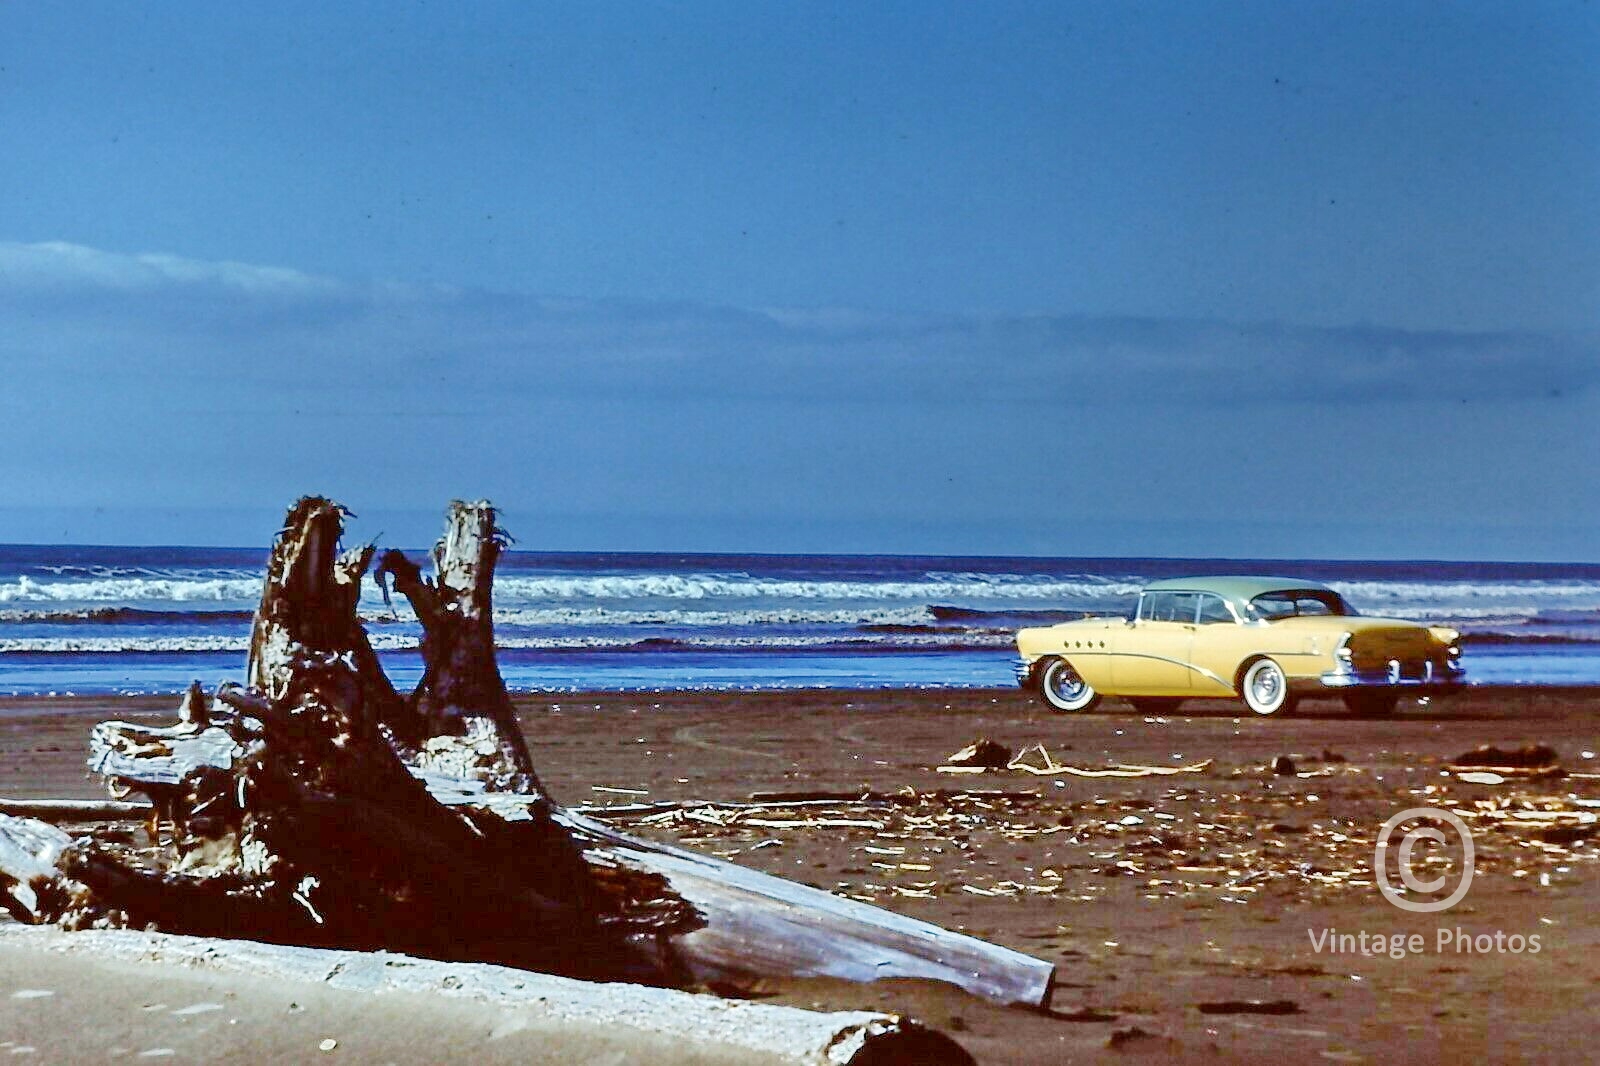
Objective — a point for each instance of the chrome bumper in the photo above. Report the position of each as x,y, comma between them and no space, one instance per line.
1429,675
1023,668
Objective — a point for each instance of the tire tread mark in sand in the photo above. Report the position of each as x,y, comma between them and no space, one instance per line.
690,734
851,734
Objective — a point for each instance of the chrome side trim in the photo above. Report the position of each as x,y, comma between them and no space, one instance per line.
1176,662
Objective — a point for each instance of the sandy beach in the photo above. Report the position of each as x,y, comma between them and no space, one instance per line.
1182,910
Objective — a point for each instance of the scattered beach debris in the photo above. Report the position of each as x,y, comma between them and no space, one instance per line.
1195,840
982,752
1530,760
984,755
1568,833
1284,766
1249,1006
1121,1038
1083,1014
1529,756
816,796
1052,768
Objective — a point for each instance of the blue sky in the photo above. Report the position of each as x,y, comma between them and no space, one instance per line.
1232,279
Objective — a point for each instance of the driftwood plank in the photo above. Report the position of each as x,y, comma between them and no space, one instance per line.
757,924
59,810
158,755
29,853
761,1033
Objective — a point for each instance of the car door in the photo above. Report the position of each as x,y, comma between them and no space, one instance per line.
1219,647
1153,656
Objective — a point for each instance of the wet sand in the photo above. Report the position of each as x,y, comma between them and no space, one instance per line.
1157,897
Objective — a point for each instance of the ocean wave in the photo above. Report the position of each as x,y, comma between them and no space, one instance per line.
1380,597
129,590
673,616
201,645
709,586
399,611
888,640
123,645
1527,639
952,592
102,570
529,590
936,604
972,614
122,616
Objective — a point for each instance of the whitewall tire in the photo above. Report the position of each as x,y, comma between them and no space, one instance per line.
1265,689
1063,690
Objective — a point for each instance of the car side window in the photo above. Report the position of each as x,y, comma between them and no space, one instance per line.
1168,606
1184,606
1153,605
1213,610
1274,605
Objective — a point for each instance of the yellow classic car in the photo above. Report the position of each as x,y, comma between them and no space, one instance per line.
1266,640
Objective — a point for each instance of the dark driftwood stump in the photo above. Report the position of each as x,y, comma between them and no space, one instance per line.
318,806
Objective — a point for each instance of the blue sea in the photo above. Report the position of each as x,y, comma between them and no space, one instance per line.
88,620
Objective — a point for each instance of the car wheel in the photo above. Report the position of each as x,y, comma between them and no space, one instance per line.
1371,704
1155,704
1265,689
1063,690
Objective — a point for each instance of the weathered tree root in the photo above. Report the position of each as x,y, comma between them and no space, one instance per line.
318,806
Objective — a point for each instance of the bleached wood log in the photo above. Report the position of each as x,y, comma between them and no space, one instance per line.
349,816
158,755
292,814
460,718
29,853
62,810
759,1033
759,925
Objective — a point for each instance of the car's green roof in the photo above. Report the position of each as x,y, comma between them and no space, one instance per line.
1242,589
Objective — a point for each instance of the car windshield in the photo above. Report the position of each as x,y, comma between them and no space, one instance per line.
1285,602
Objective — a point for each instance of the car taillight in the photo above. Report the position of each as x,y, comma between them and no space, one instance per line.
1341,653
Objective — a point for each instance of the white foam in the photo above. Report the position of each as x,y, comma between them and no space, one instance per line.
1464,593
132,590
935,588
197,644
613,616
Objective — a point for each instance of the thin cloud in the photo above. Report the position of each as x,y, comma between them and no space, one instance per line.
241,324
73,267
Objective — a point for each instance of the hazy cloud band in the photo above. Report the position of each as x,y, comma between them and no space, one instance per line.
195,321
